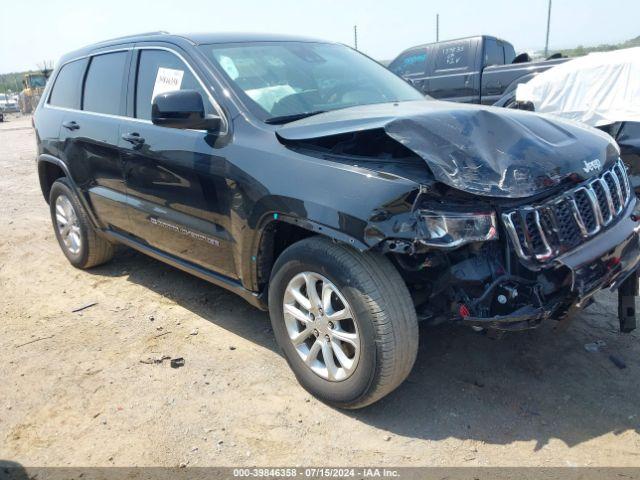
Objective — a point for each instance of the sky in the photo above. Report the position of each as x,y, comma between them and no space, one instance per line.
385,28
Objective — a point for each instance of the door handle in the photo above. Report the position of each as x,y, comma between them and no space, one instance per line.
133,138
71,125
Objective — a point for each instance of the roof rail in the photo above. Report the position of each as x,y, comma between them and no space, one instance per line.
135,35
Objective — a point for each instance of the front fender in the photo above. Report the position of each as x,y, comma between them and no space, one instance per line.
350,229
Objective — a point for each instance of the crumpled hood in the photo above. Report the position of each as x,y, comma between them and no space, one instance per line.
482,150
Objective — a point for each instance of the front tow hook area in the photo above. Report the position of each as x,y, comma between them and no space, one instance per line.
628,308
524,318
628,295
629,290
510,303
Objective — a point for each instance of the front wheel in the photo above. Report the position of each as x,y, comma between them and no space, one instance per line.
344,320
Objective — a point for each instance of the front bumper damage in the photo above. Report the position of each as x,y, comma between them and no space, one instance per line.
607,261
535,309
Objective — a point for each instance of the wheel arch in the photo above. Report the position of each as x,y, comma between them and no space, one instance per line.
51,168
276,232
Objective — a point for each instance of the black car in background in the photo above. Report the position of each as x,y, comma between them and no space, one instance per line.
472,70
315,183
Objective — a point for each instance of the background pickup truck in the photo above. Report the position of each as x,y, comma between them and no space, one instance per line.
473,70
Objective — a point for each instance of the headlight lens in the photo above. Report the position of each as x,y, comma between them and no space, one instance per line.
452,229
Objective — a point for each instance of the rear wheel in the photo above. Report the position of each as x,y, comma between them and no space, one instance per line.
344,320
80,243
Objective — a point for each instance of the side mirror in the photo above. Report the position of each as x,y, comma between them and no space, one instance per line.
182,109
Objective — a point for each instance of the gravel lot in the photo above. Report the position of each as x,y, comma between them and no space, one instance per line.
74,390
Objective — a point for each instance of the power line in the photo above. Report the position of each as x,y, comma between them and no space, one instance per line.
546,43
355,36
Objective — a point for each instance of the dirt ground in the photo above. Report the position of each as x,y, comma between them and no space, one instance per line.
78,394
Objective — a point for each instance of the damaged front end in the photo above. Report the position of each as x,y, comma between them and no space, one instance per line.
516,219
549,258
508,266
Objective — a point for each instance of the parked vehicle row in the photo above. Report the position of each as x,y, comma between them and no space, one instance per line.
7,105
472,70
315,183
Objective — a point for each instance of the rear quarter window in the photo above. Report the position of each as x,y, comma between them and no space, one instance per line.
493,52
509,53
103,87
68,85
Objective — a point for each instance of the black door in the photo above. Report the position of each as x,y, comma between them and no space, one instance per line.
454,75
492,80
65,96
176,182
91,137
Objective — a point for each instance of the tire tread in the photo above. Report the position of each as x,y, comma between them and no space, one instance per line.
390,306
99,250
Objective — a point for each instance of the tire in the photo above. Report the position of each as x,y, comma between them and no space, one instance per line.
91,250
383,316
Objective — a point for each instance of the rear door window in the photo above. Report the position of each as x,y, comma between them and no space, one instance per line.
493,52
509,53
160,71
103,87
410,63
453,56
68,85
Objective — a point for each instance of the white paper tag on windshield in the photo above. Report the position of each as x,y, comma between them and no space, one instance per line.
167,80
229,67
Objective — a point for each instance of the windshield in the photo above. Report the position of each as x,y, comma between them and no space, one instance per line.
285,80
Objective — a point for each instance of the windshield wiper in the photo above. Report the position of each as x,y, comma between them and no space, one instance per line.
291,118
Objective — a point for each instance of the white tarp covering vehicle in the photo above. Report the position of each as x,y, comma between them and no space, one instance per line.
599,89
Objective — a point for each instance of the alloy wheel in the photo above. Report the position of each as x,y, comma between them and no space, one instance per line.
321,326
68,225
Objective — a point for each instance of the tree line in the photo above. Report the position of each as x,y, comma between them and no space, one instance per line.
579,51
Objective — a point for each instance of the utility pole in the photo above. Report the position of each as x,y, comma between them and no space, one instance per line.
546,43
355,36
437,27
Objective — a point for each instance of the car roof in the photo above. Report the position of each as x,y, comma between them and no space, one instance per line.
191,38
472,37
236,37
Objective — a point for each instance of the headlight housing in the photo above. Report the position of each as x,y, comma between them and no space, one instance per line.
453,229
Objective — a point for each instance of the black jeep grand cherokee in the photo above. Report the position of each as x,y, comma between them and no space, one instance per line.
313,182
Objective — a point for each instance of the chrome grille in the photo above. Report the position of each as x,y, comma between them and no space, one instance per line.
542,232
